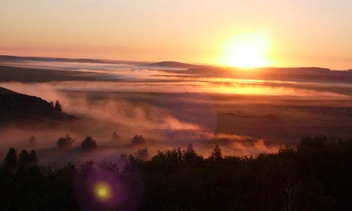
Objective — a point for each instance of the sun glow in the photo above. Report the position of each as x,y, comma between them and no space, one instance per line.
247,51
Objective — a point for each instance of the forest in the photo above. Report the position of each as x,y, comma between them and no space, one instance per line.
314,175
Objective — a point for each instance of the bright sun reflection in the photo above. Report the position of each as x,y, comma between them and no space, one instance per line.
102,191
246,51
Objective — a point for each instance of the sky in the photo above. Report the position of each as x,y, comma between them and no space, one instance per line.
294,32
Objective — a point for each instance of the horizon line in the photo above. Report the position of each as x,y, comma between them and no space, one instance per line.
114,61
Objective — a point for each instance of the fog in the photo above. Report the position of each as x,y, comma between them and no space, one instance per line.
164,123
173,109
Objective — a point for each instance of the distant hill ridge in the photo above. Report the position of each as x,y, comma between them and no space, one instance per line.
174,64
23,58
8,58
314,74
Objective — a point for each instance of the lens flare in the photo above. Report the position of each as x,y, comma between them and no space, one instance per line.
102,191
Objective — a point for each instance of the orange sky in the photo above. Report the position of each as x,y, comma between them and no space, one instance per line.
300,32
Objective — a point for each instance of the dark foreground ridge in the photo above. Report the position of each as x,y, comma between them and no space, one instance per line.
315,175
17,108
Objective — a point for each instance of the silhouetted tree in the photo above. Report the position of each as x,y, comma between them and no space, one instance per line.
32,142
115,138
88,144
190,148
216,153
64,142
138,140
313,142
142,154
10,161
123,158
58,106
52,104
63,183
24,159
190,155
33,157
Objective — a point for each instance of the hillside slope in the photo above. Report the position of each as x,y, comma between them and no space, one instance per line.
16,107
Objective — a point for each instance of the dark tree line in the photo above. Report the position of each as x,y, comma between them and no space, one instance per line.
316,175
89,143
25,159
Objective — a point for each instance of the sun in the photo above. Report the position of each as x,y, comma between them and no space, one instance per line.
246,55
247,51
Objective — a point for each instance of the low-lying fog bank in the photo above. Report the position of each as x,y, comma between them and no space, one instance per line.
240,124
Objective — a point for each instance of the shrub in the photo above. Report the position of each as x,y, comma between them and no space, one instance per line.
138,140
64,142
88,144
